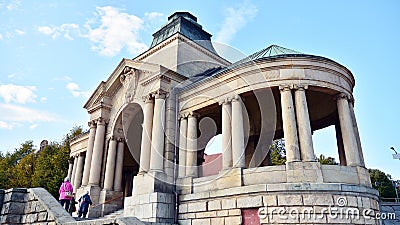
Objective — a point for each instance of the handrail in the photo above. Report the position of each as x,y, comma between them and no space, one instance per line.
119,197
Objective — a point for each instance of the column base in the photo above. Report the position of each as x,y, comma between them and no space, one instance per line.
298,172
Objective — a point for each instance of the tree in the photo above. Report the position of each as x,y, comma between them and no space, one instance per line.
278,152
8,174
327,160
382,183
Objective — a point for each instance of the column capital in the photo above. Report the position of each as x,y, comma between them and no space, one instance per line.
226,100
92,124
194,114
101,121
120,139
300,87
81,154
159,94
147,98
341,96
236,98
183,115
283,88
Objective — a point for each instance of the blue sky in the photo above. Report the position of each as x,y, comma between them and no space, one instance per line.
53,54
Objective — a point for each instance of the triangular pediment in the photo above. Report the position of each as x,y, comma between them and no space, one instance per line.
121,77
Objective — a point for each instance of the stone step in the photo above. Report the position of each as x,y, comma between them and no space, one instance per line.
113,215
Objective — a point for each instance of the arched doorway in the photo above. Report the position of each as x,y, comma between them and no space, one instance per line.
131,125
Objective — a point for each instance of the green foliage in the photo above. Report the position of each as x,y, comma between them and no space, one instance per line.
278,152
327,160
381,182
27,167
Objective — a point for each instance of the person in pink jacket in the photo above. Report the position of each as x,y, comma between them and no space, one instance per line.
66,193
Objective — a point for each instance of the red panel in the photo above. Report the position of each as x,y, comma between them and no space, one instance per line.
250,217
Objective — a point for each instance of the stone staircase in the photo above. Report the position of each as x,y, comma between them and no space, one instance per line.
113,215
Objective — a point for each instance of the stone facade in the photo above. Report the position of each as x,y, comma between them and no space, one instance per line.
151,119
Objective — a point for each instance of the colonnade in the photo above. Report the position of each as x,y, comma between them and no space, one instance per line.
296,128
85,167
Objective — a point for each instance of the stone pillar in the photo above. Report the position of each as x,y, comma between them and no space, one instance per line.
191,160
304,127
145,150
348,134
95,167
182,146
72,178
70,167
356,133
157,137
110,165
226,134
119,166
238,156
289,125
79,171
339,141
89,153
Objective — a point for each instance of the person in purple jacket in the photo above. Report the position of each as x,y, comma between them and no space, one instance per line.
66,193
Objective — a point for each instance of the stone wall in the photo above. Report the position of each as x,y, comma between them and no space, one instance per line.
35,206
390,213
282,204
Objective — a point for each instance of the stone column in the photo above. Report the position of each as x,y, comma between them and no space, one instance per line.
303,124
182,146
226,134
191,155
289,125
348,134
95,166
157,137
356,133
145,150
70,167
110,165
339,141
89,153
119,166
238,157
72,178
79,171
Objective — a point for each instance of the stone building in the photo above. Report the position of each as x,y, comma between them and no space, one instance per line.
151,119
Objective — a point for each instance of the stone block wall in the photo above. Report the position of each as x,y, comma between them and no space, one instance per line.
390,213
287,204
31,206
152,207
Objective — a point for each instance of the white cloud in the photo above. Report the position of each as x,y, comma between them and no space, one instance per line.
46,30
18,114
67,30
43,99
12,75
153,15
8,126
18,94
13,4
76,90
64,78
236,18
33,126
109,31
19,32
1,37
116,31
